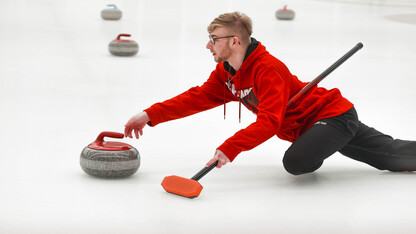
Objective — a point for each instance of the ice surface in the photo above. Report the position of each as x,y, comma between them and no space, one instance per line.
60,87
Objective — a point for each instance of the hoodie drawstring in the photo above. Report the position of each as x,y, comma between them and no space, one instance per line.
239,101
239,94
225,84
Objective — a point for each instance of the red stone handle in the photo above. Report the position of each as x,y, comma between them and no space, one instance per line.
123,35
100,138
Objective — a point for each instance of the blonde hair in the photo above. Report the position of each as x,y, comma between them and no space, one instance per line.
239,24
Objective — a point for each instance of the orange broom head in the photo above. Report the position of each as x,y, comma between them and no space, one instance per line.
182,186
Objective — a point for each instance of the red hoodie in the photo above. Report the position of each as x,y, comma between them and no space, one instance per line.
264,85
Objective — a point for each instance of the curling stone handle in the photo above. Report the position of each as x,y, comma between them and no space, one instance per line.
204,171
123,35
112,5
100,138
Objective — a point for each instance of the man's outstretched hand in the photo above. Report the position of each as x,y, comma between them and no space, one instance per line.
136,124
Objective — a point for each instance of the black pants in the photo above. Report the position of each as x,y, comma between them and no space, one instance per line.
346,134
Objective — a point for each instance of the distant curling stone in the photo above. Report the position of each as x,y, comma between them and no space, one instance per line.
109,159
120,47
111,14
285,14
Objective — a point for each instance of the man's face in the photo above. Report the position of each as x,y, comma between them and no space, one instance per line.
221,48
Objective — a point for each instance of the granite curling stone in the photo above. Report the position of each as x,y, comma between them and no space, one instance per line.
285,14
109,159
121,47
112,13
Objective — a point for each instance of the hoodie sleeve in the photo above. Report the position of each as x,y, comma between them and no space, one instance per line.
273,95
192,101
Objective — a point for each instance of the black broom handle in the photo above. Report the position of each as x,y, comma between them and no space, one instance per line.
204,171
325,73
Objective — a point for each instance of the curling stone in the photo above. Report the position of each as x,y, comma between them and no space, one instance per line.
285,14
112,13
110,159
120,47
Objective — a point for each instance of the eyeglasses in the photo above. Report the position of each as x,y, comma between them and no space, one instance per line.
213,39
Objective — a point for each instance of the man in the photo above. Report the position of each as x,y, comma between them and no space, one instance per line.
321,123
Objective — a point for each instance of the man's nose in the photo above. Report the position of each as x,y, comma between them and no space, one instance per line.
209,45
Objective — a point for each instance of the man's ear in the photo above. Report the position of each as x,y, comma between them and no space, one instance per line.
236,41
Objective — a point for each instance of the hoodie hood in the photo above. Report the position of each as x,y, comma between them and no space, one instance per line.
253,45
